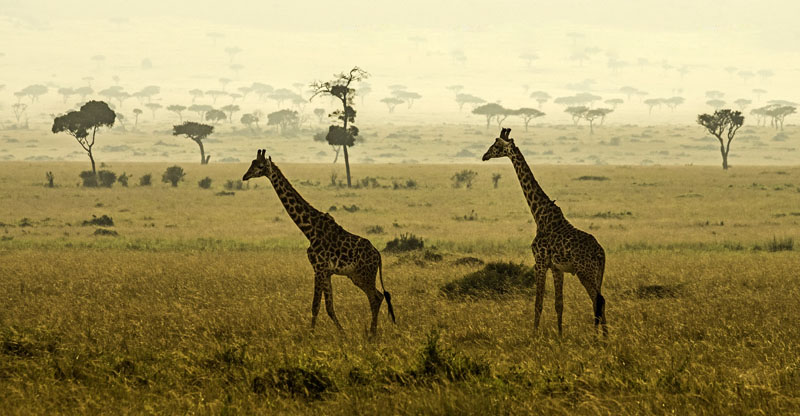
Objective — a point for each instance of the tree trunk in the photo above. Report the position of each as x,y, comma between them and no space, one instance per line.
91,158
347,164
203,159
526,129
591,126
724,157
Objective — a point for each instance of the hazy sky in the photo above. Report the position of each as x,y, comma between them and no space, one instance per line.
411,42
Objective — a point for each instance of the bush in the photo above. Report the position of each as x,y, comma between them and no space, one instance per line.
103,221
309,383
369,182
145,180
173,175
375,229
89,179
592,178
103,231
439,362
784,244
409,184
235,184
496,278
106,178
406,242
204,183
465,178
123,179
496,179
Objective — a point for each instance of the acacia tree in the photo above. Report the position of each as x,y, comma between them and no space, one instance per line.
528,114
742,103
576,112
778,113
541,97
153,108
215,116
407,96
462,99
177,109
320,113
725,122
230,109
491,111
285,120
248,120
136,113
197,132
592,115
78,124
339,88
614,102
391,103
673,102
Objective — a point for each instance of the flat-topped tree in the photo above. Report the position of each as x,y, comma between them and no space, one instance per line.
407,96
136,113
614,102
153,108
215,116
177,109
391,103
320,113
716,103
197,132
673,102
286,121
778,112
200,109
340,89
462,99
79,124
594,114
576,112
65,92
722,122
541,97
490,111
230,109
742,103
195,93
528,114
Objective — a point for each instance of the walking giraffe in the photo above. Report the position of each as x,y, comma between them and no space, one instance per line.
558,245
333,250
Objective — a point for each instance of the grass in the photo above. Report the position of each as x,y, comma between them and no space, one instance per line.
207,310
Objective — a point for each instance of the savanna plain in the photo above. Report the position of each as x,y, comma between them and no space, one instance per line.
197,301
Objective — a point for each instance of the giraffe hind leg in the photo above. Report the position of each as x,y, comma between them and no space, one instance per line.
328,293
558,283
319,284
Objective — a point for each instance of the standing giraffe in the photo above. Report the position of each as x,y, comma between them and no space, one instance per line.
332,251
558,245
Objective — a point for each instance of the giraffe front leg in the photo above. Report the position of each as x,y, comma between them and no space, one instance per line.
558,286
328,292
540,274
318,285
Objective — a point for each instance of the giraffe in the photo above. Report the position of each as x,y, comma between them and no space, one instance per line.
558,245
333,250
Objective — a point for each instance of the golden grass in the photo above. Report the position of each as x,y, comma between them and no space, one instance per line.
208,310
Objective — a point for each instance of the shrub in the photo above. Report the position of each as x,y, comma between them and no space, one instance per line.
470,216
406,242
496,179
658,291
106,178
89,179
369,182
204,183
235,184
50,178
309,383
439,362
145,180
496,278
409,184
468,261
103,231
592,178
351,208
102,221
173,175
784,244
465,178
123,179
375,229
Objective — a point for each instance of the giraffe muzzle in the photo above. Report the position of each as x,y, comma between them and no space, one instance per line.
486,156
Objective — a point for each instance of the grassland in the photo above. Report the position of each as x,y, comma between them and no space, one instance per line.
201,303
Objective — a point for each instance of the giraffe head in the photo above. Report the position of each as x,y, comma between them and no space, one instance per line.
261,166
503,146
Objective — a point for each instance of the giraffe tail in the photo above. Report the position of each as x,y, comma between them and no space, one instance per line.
386,294
599,306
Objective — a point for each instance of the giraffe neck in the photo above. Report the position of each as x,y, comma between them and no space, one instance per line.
544,211
301,212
